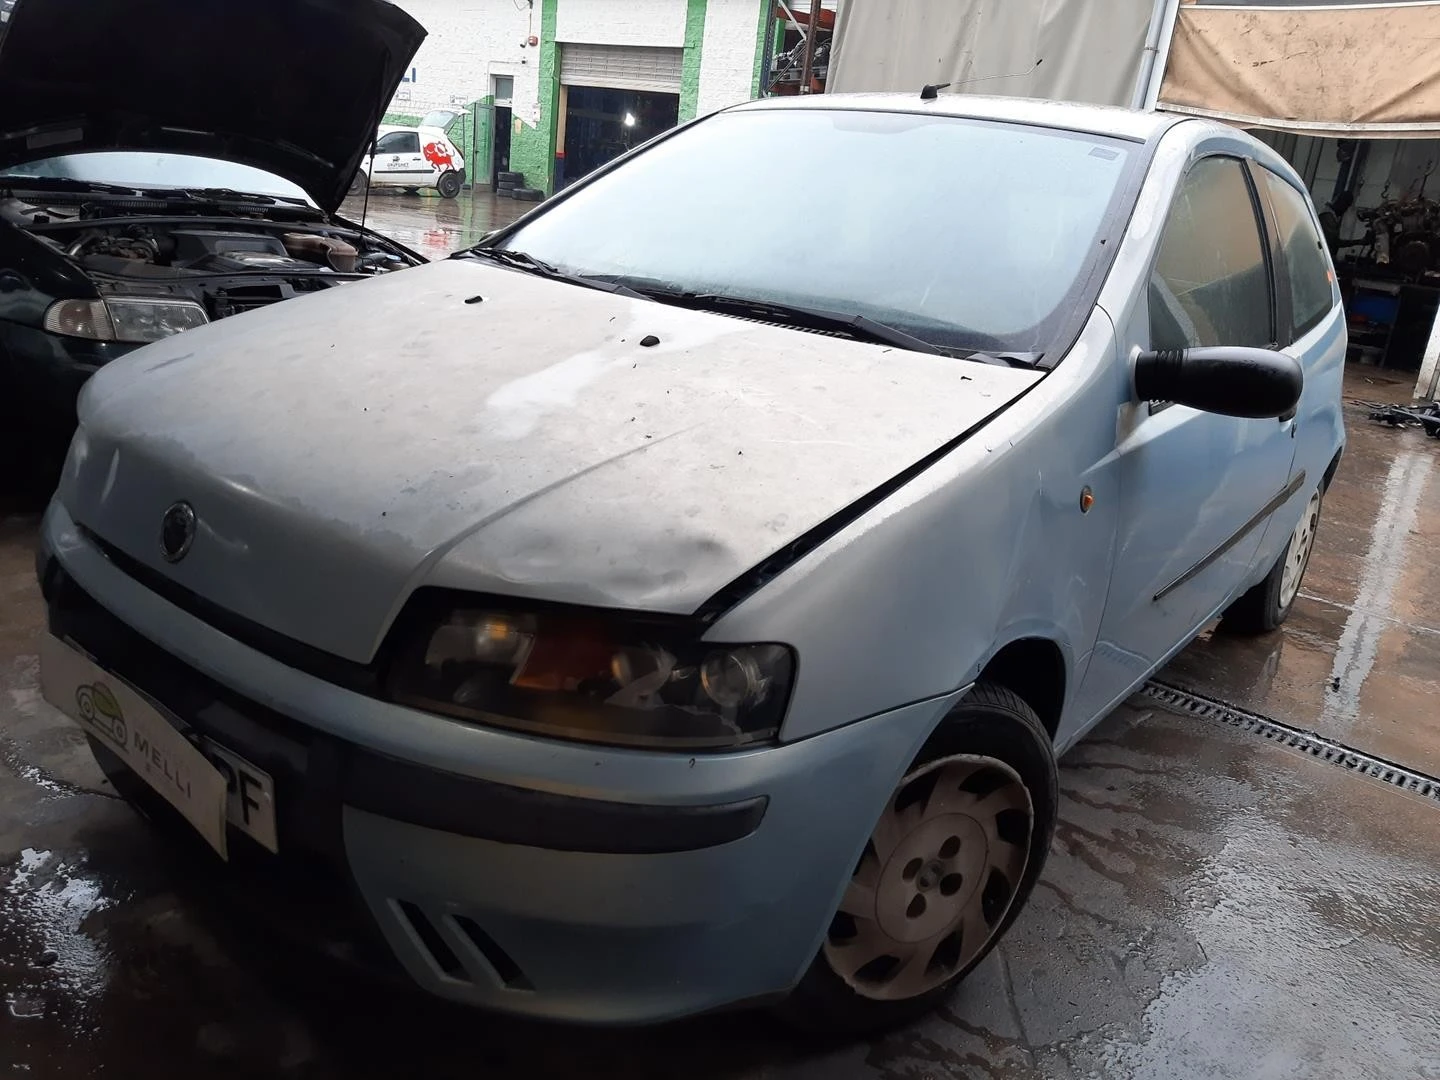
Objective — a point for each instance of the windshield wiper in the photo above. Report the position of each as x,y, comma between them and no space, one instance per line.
524,261
64,183
221,194
226,193
857,327
69,183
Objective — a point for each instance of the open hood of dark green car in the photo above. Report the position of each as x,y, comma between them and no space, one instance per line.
294,87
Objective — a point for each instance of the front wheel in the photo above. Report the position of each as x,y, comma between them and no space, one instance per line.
950,863
448,185
358,183
1268,604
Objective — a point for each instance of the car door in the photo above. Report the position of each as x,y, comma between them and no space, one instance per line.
398,160
1197,488
1314,334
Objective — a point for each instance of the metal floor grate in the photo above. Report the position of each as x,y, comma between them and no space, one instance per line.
1293,738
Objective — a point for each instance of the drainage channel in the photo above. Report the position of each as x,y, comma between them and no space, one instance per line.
1293,738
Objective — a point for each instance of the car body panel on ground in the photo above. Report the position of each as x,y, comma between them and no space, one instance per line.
993,506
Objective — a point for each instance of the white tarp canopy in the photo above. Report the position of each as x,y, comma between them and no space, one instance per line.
1345,69
1074,50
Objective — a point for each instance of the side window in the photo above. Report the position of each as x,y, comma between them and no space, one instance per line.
398,142
1311,295
1211,284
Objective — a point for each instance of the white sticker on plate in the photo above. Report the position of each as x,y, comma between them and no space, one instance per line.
121,718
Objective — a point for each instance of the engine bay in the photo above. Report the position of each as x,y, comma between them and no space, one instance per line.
228,263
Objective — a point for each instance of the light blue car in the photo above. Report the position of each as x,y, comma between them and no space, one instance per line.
682,599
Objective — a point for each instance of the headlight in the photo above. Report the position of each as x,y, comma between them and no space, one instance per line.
123,318
580,676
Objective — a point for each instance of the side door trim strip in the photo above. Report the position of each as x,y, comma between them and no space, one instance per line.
1295,484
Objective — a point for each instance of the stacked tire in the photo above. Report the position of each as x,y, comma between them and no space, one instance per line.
507,183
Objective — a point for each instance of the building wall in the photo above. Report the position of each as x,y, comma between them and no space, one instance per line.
657,23
467,41
470,41
532,140
733,38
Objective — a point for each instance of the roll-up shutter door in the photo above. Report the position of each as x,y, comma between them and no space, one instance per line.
624,67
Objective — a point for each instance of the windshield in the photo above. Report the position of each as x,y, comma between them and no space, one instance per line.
966,233
150,170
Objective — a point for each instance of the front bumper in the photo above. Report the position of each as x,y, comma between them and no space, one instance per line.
631,887
46,373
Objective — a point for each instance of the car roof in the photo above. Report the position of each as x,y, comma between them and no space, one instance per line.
1137,125
1134,124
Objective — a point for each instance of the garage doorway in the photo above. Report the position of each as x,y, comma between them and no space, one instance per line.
602,123
502,88
1379,205
614,98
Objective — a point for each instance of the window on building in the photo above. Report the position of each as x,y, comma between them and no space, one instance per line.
1210,285
1311,293
504,89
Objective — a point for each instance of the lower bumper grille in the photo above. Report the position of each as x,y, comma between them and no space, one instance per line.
487,962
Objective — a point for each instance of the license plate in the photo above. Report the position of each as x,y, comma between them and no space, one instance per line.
208,786
249,794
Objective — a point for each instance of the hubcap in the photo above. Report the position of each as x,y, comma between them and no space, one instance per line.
1297,555
937,878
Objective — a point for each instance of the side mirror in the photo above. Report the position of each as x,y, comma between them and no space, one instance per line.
1229,380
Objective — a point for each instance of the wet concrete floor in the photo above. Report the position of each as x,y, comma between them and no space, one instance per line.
1213,906
1359,660
430,225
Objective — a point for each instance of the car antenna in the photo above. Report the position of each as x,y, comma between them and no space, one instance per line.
931,91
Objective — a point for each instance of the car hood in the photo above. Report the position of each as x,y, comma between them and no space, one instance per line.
295,87
471,427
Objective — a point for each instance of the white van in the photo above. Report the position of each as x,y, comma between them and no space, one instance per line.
415,157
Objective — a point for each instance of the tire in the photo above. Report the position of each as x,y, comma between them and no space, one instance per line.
448,184
358,183
527,194
514,179
992,756
1268,604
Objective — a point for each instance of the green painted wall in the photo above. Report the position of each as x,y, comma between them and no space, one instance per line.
690,63
757,80
532,149
484,140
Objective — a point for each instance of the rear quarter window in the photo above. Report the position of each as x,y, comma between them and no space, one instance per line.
1306,267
